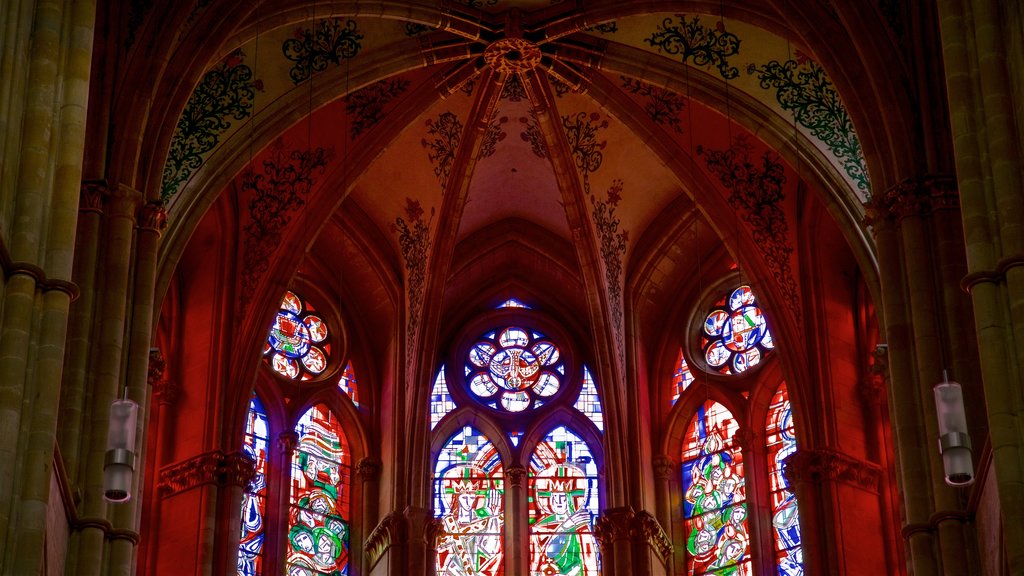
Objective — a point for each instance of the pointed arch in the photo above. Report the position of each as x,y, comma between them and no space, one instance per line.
564,490
714,494
320,495
469,503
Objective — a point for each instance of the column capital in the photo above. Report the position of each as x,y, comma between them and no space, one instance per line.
914,196
368,469
515,475
215,467
152,216
823,465
648,530
92,195
287,441
663,467
614,525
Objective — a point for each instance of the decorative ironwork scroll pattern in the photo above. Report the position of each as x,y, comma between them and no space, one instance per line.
691,40
225,93
312,49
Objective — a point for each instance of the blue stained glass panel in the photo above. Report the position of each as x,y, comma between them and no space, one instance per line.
441,401
469,502
589,402
254,506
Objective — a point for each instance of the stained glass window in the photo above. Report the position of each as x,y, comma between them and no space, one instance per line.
298,345
469,501
318,526
682,379
512,303
254,501
514,369
781,441
347,384
714,495
735,334
589,402
441,402
563,501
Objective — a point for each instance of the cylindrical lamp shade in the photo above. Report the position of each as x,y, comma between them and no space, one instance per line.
120,458
954,442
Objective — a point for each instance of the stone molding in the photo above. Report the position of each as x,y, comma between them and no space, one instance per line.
10,268
210,468
663,467
515,476
914,196
618,524
368,469
287,441
388,532
91,195
817,466
152,216
647,528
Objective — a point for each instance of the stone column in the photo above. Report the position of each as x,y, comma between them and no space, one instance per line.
166,391
70,435
983,81
152,219
663,468
50,87
368,471
287,442
119,229
872,393
517,526
912,463
613,530
650,541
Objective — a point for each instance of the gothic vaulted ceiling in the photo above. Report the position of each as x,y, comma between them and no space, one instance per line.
403,144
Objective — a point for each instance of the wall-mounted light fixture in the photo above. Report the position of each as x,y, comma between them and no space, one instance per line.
119,464
954,441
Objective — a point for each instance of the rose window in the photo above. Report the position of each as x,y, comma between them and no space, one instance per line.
514,369
736,335
298,345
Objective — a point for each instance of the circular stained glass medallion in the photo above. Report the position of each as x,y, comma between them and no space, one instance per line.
298,345
735,334
513,368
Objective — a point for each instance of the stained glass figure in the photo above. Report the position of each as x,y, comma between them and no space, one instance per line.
254,500
682,379
563,501
513,303
441,401
735,335
298,345
589,402
781,442
318,527
513,369
714,495
347,384
468,500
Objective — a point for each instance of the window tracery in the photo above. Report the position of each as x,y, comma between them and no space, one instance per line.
299,344
511,376
717,455
735,336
